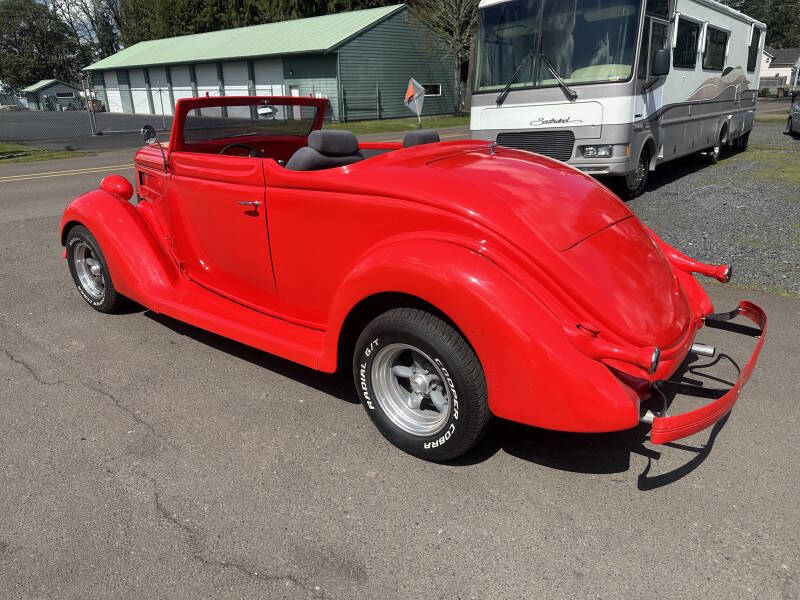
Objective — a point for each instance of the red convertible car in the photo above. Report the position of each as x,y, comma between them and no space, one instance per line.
460,280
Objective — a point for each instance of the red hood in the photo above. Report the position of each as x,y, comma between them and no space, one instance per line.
582,234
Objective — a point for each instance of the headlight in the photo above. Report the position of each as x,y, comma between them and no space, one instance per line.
598,151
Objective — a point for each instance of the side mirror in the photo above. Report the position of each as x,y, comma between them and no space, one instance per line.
149,135
151,139
661,62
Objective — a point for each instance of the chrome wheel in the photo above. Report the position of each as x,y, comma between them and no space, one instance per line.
635,179
411,389
89,271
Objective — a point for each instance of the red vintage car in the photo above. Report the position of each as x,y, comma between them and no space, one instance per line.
459,280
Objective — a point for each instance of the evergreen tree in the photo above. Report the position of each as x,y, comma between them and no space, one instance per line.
35,44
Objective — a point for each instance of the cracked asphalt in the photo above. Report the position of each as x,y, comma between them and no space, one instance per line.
142,458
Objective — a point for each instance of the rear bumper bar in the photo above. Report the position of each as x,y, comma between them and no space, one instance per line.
667,429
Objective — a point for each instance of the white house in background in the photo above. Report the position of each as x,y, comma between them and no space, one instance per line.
780,67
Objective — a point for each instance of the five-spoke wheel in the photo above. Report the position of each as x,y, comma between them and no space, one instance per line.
421,383
90,271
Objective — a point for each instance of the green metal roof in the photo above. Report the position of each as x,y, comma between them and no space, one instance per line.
314,34
39,85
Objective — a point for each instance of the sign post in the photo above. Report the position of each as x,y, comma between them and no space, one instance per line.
415,94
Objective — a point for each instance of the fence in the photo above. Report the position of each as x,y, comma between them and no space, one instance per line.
53,113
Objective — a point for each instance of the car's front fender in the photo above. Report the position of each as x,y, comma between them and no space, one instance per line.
534,374
139,268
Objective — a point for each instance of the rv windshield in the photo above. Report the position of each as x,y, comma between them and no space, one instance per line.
587,41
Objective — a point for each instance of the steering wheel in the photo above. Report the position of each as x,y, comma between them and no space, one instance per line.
253,152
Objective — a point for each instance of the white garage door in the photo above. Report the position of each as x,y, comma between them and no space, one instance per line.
139,91
181,82
112,91
207,85
234,74
160,91
269,78
268,72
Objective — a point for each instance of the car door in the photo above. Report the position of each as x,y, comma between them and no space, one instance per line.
220,226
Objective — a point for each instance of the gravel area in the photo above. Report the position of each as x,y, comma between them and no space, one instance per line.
745,210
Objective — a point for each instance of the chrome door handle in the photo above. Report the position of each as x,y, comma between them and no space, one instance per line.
254,203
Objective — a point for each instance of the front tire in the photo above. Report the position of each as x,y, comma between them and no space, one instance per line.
634,184
89,271
421,384
788,129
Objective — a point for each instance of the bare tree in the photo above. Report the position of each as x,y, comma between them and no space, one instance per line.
95,22
454,21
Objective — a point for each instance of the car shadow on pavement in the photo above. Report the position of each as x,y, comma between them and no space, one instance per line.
588,453
608,453
331,384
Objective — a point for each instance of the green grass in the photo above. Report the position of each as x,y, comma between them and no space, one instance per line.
774,166
400,125
770,161
14,153
779,117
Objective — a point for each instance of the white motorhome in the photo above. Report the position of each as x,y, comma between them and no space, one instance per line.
615,87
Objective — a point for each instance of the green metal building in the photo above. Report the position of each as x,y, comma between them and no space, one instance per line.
52,94
360,60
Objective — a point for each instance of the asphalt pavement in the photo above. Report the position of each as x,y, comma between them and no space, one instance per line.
144,458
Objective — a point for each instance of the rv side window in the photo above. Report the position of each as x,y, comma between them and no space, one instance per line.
685,55
752,53
714,54
659,8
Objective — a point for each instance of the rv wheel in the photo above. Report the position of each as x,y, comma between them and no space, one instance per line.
634,184
714,153
743,141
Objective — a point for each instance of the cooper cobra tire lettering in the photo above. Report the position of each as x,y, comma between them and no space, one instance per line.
451,385
441,441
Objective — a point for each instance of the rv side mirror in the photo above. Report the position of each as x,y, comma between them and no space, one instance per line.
149,134
661,63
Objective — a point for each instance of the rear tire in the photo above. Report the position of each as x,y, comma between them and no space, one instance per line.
89,271
744,142
421,384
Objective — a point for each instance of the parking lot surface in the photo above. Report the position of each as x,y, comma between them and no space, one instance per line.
145,458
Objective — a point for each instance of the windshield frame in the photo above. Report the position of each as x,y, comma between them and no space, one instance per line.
184,105
555,85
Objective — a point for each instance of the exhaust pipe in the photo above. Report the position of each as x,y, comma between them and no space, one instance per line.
703,350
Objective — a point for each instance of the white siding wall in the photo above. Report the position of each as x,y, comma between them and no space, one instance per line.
269,76
234,74
112,91
159,90
207,84
139,91
181,82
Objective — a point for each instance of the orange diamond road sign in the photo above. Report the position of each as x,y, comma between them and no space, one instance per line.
415,94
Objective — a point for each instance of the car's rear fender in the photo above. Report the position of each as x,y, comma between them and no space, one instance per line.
139,268
534,374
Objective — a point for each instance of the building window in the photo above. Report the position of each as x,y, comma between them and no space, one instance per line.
432,89
685,55
752,53
65,94
714,53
